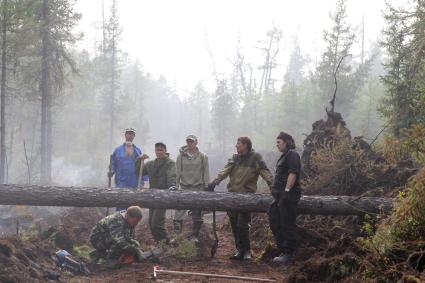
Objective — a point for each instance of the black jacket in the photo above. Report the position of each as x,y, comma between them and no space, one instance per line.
289,162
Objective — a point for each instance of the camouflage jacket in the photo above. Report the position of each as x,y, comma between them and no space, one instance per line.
161,172
243,172
114,231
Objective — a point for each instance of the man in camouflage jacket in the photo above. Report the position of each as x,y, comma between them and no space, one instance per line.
113,236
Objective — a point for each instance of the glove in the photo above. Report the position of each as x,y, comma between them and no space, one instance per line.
172,188
134,243
141,255
211,187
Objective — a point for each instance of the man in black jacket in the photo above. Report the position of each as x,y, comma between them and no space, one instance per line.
286,192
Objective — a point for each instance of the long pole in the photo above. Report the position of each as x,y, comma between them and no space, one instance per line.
157,271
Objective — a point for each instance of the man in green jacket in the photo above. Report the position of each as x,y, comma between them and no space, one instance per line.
192,174
243,170
162,176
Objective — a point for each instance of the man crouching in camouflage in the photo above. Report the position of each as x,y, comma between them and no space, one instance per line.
113,237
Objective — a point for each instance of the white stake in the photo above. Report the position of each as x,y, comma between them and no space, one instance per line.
157,270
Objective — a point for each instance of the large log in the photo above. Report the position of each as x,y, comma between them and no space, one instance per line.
220,201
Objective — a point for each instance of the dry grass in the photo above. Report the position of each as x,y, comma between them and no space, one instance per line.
343,168
411,145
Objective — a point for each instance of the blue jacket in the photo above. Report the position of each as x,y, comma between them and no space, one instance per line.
123,166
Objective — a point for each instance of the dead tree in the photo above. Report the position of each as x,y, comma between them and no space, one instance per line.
219,201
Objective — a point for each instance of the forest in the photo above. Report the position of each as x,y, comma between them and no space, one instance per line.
354,104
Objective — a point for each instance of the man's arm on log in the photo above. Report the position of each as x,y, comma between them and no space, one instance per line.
225,172
265,173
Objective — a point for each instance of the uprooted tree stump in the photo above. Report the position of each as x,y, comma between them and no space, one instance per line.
152,198
323,133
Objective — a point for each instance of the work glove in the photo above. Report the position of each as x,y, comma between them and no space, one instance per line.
141,255
211,187
134,243
173,188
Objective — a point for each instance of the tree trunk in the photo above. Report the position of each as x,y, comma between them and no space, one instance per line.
3,96
112,110
220,201
45,94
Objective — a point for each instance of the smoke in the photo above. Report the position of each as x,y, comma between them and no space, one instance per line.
68,174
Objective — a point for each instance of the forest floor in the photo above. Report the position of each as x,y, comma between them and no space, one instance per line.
326,249
220,264
24,260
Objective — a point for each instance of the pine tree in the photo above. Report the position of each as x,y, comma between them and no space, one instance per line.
112,68
338,44
405,45
11,20
223,110
339,41
55,20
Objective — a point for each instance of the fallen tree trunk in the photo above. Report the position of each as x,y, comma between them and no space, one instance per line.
220,201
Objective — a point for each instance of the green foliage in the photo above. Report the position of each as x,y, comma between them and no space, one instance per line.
82,252
185,249
405,76
407,221
368,226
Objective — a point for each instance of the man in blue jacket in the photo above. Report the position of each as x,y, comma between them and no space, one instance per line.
123,160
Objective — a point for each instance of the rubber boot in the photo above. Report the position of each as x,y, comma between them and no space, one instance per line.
178,226
195,231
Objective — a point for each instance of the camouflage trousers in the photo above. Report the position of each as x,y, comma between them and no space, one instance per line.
105,247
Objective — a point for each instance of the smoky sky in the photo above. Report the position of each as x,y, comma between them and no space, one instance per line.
169,37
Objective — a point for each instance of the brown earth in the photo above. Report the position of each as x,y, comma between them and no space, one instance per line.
220,264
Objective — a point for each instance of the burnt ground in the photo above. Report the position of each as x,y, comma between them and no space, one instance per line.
27,258
327,252
220,264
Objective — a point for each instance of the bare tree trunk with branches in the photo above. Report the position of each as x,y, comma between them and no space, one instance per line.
3,95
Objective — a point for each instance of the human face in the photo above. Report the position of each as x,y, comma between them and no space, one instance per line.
129,136
133,221
160,152
241,148
191,144
281,145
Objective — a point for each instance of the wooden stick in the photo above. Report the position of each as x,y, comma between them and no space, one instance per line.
139,185
156,271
